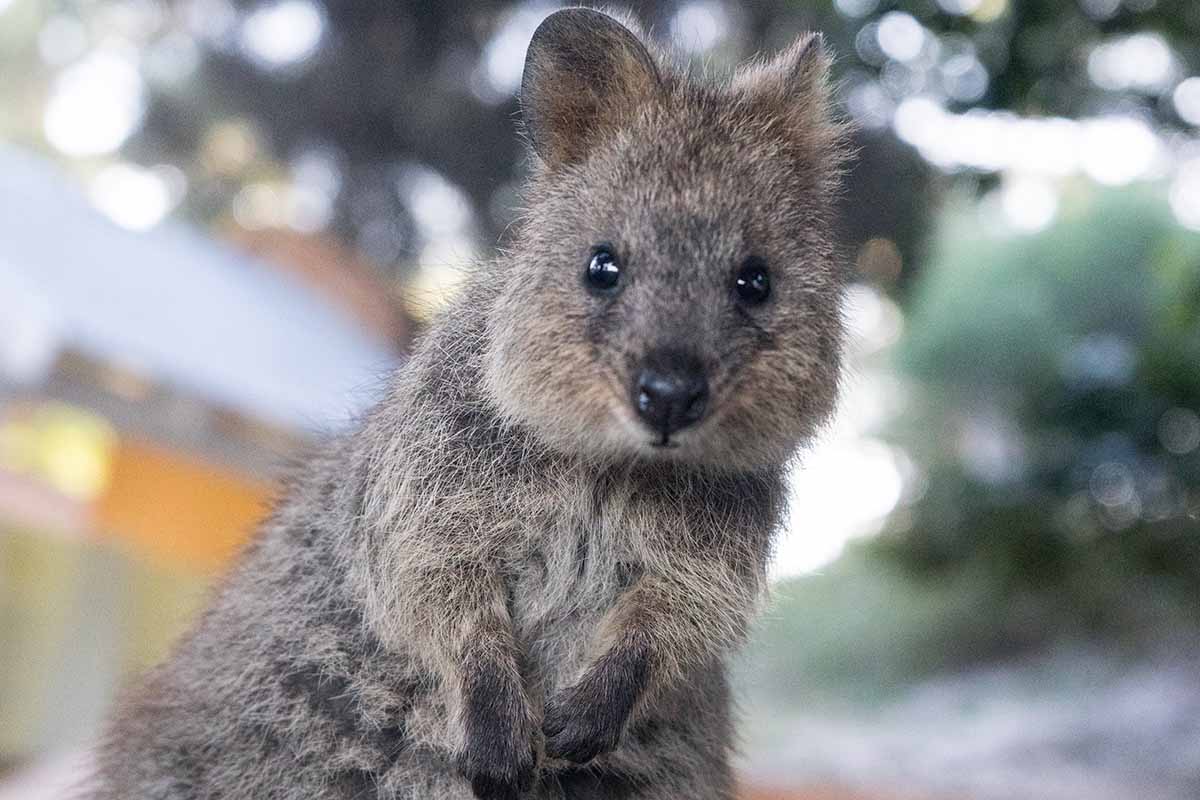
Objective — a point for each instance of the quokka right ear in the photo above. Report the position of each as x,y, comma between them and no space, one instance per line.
585,74
793,95
794,85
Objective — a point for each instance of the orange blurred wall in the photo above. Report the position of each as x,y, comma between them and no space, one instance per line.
178,510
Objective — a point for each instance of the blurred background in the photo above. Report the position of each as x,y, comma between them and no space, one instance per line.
221,224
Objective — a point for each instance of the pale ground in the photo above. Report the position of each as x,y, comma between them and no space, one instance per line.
1068,726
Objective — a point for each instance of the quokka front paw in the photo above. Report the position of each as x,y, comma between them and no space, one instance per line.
499,757
497,776
587,720
580,733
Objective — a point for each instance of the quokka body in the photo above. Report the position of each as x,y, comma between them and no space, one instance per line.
523,573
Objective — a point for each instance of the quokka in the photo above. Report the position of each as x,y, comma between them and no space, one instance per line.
522,575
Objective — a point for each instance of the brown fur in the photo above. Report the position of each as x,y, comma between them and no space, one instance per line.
497,581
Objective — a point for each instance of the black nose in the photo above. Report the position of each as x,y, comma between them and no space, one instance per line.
670,392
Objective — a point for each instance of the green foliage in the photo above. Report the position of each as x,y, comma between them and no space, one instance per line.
864,630
1056,385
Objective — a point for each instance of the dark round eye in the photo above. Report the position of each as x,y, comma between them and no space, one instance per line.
603,271
752,283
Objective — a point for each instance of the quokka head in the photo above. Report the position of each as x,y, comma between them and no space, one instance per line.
673,290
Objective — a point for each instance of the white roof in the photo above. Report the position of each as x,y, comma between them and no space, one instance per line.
173,305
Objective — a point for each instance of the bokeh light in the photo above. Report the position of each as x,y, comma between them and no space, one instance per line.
95,104
1187,100
283,33
136,198
700,25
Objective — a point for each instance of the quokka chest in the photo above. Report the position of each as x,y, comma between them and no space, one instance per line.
576,556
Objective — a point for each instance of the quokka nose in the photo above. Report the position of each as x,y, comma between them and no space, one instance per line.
671,396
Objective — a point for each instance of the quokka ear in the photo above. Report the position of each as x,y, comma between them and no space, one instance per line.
793,87
585,74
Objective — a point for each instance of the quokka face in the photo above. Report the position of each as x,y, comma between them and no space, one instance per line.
673,292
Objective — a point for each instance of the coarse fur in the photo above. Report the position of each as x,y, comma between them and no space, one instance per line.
502,584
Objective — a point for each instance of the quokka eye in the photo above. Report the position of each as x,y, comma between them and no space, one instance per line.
752,282
603,270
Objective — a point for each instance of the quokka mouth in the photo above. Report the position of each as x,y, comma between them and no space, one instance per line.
664,443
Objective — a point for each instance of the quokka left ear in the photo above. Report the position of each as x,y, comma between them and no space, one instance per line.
585,74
